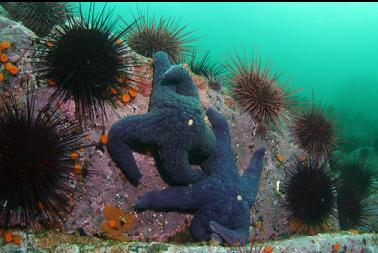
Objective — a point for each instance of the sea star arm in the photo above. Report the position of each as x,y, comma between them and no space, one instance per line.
231,236
170,199
177,169
180,80
222,162
175,76
220,126
161,65
253,173
132,129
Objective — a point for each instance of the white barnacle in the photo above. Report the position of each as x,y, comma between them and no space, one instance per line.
239,197
190,122
278,186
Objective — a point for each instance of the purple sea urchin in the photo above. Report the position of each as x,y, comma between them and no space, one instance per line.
258,92
86,59
36,165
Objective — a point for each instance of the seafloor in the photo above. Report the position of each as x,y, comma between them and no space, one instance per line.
168,232
63,243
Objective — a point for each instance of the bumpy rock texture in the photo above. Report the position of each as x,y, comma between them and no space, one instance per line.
18,54
324,243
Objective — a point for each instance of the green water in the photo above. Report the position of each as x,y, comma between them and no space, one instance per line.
329,49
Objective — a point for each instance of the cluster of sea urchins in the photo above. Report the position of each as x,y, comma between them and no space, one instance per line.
87,61
38,163
258,92
40,17
150,35
313,131
310,193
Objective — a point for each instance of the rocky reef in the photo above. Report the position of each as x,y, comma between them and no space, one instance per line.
325,243
108,185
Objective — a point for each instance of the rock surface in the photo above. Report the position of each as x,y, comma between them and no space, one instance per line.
22,47
322,243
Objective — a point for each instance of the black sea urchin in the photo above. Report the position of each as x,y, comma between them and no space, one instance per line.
38,163
87,61
150,35
213,72
40,17
310,192
356,180
258,92
313,131
204,66
354,212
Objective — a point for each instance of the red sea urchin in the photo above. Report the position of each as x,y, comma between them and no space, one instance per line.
36,165
310,193
258,92
313,131
86,60
150,35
